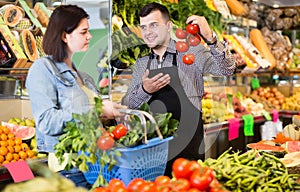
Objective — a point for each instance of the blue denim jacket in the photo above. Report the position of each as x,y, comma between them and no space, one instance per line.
54,95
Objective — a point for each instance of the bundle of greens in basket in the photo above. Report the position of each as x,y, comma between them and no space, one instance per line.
81,138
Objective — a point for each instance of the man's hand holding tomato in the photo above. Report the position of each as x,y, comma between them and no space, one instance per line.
151,85
203,25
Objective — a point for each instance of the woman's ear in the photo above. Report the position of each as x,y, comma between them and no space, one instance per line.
64,37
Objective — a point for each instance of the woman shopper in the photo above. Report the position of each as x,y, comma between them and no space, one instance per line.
57,89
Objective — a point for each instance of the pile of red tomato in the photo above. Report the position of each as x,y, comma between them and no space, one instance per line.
189,176
188,37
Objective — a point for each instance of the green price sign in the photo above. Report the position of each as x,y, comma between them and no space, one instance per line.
255,83
248,124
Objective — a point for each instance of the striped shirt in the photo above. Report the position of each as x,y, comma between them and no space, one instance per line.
215,61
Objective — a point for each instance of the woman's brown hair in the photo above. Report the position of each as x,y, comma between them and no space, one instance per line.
64,18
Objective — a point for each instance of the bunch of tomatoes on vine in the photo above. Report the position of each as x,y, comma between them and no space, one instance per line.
188,176
187,37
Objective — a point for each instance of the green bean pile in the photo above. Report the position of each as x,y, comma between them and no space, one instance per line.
253,171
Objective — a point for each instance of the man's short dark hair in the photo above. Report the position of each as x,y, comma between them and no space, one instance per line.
147,9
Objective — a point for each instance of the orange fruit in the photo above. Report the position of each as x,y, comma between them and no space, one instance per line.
3,137
13,161
9,157
10,142
5,162
1,158
10,149
3,143
22,155
18,141
6,130
1,130
30,153
16,156
3,150
17,148
24,146
11,136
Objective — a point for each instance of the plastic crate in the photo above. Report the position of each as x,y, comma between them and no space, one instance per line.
146,161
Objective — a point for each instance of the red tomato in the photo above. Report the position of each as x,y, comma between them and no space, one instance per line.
194,165
100,189
162,180
134,184
192,29
180,33
180,184
201,179
188,59
105,142
180,168
182,46
147,187
215,183
194,40
164,189
217,189
113,183
119,189
119,131
193,190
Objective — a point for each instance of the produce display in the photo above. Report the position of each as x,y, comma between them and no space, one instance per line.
22,33
271,98
189,176
292,103
13,148
253,171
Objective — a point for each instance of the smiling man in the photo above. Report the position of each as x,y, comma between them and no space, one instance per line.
167,84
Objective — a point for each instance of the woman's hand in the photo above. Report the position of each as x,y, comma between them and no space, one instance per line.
110,109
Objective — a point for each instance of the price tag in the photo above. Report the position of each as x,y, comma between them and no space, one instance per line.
20,171
255,83
267,116
275,115
248,125
233,131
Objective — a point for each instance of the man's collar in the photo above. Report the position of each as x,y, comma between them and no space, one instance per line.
170,49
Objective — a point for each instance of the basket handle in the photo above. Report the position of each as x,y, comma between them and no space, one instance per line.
141,115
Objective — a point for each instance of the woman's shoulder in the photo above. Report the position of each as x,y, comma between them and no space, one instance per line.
41,61
40,65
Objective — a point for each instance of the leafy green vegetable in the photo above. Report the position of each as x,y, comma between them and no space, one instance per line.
80,138
80,141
